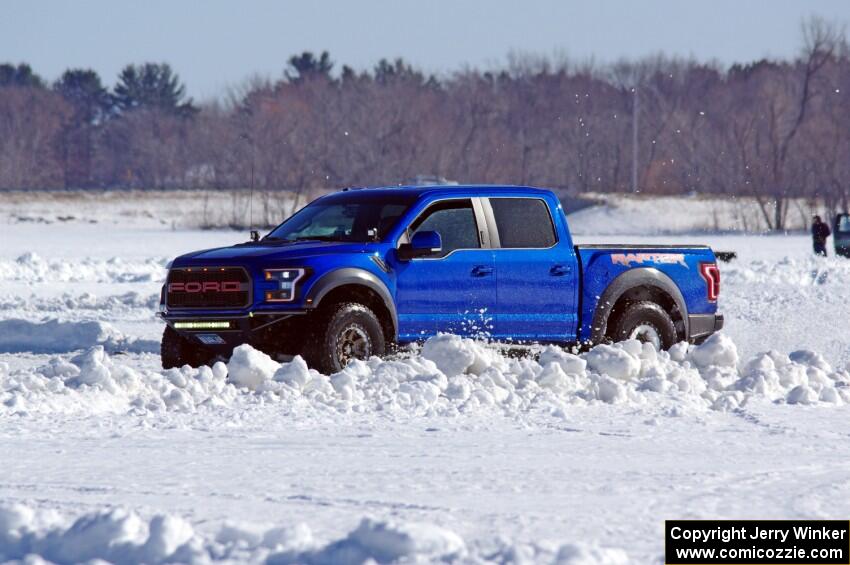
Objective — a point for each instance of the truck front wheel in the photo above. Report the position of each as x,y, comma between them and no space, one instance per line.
344,332
646,322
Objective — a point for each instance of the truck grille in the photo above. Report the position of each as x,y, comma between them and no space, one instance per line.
208,287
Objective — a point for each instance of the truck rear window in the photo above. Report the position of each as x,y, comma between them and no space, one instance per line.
523,223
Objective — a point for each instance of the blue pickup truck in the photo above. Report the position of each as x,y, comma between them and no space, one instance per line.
357,272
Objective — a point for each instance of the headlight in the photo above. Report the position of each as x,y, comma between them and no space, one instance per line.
284,284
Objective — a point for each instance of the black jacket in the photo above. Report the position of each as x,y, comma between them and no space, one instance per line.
820,231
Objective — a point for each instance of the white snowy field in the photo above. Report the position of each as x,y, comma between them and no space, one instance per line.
453,452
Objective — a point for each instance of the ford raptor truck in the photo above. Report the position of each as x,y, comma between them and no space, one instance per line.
357,272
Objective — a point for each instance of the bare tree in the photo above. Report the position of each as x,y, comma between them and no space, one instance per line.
788,100
31,122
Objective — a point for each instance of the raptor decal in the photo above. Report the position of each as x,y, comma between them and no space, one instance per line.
627,259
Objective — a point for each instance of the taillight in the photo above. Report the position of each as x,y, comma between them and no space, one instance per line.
711,274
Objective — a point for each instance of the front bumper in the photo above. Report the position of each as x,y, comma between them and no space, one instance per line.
205,329
701,326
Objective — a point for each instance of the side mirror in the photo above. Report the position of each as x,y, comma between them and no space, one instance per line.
255,235
422,244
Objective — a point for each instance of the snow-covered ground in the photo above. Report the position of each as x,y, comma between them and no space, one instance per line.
156,209
449,452
630,214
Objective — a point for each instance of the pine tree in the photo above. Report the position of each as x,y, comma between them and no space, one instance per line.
22,75
90,103
83,90
152,85
306,66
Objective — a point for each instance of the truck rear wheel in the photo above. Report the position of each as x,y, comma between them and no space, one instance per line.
646,322
344,332
176,351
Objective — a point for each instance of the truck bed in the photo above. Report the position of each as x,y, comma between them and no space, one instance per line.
677,265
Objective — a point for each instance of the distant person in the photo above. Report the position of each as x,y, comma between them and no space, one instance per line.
820,231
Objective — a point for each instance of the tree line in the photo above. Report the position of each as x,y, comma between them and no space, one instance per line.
774,130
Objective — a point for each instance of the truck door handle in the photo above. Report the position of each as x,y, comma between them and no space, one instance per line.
559,270
482,270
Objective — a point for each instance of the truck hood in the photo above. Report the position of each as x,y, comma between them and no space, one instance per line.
269,252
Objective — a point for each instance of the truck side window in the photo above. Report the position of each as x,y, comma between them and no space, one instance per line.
523,223
455,222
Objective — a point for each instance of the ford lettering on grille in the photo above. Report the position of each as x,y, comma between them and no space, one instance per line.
218,287
207,286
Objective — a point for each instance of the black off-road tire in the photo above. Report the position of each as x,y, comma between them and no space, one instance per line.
338,326
648,316
176,351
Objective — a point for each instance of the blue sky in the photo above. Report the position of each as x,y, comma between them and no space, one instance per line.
214,44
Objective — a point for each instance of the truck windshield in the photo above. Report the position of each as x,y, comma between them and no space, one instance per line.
345,217
843,224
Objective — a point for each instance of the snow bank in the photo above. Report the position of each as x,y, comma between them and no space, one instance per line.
384,542
31,267
452,376
585,554
55,336
566,554
93,383
121,536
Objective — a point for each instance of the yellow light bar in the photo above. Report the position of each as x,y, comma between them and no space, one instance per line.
201,325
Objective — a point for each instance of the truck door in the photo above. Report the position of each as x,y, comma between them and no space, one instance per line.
454,291
537,286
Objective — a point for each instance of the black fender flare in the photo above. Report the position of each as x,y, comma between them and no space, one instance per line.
353,276
642,276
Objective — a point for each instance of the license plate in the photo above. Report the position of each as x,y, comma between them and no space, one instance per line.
211,339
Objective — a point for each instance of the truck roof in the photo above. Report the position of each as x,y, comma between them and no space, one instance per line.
416,190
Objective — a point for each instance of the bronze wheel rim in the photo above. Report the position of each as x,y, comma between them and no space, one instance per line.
353,343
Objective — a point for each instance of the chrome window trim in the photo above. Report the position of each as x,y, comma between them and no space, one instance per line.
484,238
